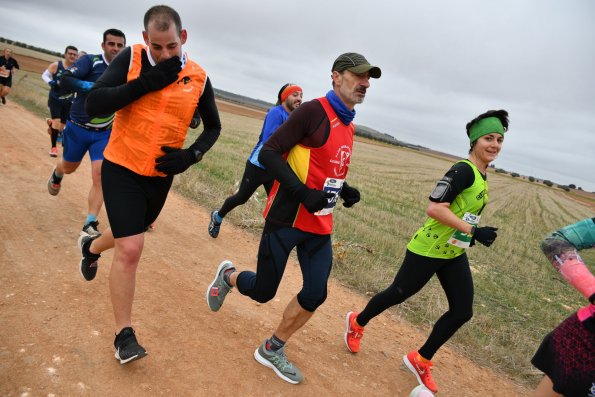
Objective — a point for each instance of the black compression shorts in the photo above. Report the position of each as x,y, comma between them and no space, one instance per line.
132,201
6,81
252,179
59,109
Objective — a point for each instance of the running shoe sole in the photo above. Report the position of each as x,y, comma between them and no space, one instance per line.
347,331
411,368
90,230
267,363
79,243
133,358
80,246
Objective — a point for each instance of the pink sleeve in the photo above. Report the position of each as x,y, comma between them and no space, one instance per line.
586,312
573,269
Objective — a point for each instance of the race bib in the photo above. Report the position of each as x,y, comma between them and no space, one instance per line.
460,239
331,185
4,72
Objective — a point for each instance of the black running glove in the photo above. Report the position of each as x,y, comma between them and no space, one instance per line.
350,195
485,235
154,78
176,161
314,200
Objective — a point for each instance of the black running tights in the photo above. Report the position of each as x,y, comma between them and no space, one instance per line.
251,180
415,272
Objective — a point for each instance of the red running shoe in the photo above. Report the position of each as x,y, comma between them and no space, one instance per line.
353,332
421,370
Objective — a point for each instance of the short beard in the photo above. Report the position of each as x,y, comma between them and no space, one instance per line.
290,105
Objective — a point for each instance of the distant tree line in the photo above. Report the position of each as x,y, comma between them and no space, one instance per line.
370,133
360,130
533,179
30,47
243,100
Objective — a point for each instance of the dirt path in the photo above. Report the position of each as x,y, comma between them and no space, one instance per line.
56,330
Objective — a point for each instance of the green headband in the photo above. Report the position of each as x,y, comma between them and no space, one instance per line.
484,127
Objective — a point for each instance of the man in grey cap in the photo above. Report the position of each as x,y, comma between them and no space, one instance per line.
318,141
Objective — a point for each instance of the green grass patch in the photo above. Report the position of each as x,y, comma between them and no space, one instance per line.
30,91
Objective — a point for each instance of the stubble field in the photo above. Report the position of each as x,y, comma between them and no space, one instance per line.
518,296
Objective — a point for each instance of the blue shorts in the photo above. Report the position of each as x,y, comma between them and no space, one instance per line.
78,140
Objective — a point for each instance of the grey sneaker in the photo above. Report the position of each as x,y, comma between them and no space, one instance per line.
218,289
91,229
278,362
54,183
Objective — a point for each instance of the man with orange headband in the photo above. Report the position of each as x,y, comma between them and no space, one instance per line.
255,175
309,156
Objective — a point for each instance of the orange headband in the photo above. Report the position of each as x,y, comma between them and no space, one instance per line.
290,89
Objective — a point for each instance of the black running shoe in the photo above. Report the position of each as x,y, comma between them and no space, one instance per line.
214,226
3,101
91,228
88,264
127,347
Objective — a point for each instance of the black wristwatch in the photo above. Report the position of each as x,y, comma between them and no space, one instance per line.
197,155
473,229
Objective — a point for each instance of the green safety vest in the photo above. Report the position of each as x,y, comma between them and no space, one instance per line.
431,239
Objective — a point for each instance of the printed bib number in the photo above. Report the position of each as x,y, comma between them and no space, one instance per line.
460,239
331,185
4,72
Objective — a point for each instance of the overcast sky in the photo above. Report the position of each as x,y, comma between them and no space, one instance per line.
443,63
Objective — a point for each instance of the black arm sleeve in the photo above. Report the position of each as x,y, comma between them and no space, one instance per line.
68,82
111,92
458,178
71,81
207,108
302,123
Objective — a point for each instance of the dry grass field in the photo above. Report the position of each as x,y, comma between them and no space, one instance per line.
518,299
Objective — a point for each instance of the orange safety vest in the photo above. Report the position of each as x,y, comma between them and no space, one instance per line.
323,168
159,118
